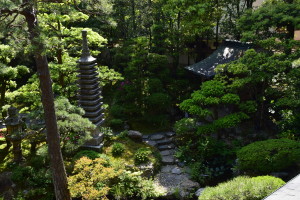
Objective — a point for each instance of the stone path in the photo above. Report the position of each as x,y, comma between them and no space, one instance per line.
290,191
172,179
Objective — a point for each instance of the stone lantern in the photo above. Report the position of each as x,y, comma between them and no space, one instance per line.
15,134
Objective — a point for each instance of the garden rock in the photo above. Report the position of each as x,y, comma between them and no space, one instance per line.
176,170
166,152
168,160
147,169
166,147
151,143
135,136
199,191
157,137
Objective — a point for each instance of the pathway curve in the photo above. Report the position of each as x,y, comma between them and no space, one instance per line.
172,178
290,191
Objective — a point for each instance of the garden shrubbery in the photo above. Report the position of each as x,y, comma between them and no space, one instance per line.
94,179
87,153
117,149
141,156
243,188
268,156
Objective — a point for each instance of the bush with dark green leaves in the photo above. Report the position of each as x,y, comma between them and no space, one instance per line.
117,149
116,123
268,155
243,188
185,130
87,153
38,181
141,155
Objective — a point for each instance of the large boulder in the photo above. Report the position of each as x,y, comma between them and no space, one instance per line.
135,136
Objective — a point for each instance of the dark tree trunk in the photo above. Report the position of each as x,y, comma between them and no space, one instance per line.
2,92
56,161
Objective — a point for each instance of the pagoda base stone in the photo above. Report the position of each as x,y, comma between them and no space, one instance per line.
97,148
97,139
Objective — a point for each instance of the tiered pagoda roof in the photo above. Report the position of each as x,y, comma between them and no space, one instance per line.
89,94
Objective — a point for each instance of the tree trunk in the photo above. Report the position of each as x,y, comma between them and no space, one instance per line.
56,161
2,92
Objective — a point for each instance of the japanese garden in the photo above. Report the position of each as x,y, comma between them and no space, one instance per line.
149,99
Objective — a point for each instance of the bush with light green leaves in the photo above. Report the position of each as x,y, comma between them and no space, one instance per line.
243,188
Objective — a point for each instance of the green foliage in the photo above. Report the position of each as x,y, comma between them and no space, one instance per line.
117,149
142,156
87,153
74,129
116,123
268,156
93,179
158,101
203,173
280,15
117,111
123,135
185,130
243,188
143,92
209,159
108,134
39,181
133,185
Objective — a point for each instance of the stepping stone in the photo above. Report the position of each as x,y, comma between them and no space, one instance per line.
165,141
166,147
167,169
145,137
166,152
176,170
170,134
151,143
157,137
169,160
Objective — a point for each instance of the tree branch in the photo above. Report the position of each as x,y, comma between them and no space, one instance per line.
14,18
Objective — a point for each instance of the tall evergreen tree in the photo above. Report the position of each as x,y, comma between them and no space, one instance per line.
28,10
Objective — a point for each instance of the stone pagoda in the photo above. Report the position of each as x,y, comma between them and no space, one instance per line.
89,93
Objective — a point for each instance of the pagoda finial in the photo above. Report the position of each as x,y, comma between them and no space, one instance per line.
85,48
85,55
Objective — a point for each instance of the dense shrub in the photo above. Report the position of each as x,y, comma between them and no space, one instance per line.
132,186
185,130
116,123
91,178
98,179
243,188
209,159
117,111
87,153
117,149
38,181
268,156
123,134
142,155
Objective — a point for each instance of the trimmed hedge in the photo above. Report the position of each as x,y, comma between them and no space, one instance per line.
243,188
268,156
